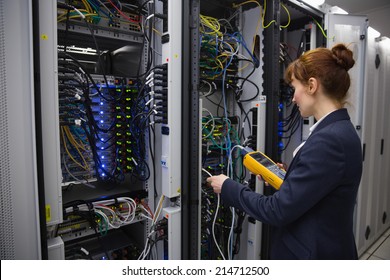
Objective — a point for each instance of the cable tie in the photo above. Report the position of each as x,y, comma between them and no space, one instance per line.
149,81
150,100
84,251
149,17
90,206
116,203
79,76
82,71
150,75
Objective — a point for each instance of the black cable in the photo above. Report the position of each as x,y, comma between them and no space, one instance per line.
242,136
257,90
93,38
84,71
151,129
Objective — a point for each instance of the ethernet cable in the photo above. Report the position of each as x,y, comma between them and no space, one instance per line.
215,218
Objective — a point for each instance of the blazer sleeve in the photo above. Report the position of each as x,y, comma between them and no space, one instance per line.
318,170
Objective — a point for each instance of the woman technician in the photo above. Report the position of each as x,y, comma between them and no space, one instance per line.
312,213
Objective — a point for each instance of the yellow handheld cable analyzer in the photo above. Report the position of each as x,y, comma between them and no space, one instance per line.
259,164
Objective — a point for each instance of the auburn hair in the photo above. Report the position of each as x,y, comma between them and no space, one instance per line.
330,67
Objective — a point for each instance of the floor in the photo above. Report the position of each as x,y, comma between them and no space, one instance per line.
380,250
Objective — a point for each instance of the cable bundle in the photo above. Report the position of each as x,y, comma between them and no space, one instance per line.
107,214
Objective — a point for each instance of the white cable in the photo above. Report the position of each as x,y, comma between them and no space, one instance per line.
210,89
74,177
147,247
146,217
213,227
213,121
215,218
143,254
230,241
112,224
232,208
208,173
103,207
80,13
230,157
212,129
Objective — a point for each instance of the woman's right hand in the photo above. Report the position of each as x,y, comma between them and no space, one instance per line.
216,182
282,166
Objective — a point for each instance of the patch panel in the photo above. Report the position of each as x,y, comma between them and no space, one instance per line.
107,110
116,245
215,160
82,220
106,18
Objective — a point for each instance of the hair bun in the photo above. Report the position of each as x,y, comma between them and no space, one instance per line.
343,56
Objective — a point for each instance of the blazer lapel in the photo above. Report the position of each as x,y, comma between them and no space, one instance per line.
341,114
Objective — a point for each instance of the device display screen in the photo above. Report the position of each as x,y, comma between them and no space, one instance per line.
263,160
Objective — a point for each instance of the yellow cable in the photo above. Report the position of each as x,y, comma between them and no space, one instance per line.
158,210
220,62
155,30
74,141
87,6
76,16
322,30
262,20
288,14
67,151
211,23
257,27
75,144
72,12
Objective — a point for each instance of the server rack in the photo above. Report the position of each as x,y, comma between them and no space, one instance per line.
372,207
267,79
103,166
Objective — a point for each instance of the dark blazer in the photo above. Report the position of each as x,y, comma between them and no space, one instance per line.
312,213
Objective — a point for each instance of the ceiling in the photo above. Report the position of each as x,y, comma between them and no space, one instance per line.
377,11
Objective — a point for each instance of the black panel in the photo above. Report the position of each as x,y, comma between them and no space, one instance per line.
271,90
38,127
190,128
